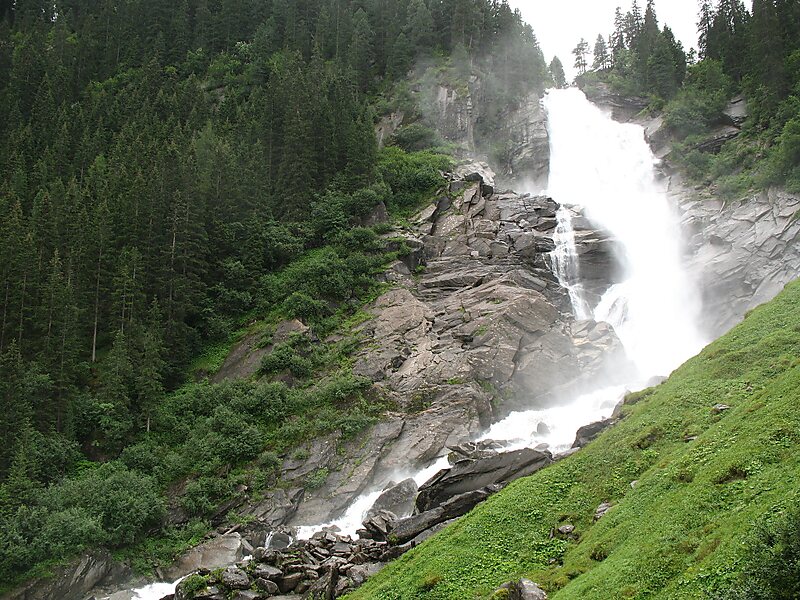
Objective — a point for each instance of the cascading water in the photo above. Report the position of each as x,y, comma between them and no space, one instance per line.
564,261
606,170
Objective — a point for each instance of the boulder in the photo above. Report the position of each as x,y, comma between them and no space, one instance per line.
235,578
589,432
477,172
398,499
217,553
471,475
410,528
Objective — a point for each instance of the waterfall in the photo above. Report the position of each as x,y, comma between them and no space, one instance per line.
606,171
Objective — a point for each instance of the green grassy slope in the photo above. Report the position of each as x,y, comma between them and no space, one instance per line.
680,531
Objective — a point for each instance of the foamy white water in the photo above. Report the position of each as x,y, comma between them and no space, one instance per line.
564,260
608,169
155,591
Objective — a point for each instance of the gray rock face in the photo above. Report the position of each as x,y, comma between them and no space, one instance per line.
483,328
469,475
623,108
743,253
73,581
456,114
214,554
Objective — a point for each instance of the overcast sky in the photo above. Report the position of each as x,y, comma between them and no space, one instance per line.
560,24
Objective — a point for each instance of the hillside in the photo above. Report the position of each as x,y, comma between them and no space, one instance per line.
688,485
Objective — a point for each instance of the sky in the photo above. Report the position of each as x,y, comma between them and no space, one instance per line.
560,24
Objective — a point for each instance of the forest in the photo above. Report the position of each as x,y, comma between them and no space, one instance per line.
172,174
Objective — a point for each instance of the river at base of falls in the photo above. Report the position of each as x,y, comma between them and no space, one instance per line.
606,171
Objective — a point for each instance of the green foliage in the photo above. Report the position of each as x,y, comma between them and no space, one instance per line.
317,479
416,137
700,103
193,584
770,569
702,519
411,177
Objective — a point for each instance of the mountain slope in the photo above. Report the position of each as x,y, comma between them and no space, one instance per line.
704,477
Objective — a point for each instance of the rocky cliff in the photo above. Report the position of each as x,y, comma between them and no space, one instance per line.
475,326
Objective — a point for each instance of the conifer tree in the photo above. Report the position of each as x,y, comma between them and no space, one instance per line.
580,52
557,72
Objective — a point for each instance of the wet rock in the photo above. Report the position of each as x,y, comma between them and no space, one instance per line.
471,475
380,524
473,450
589,432
398,499
411,527
266,571
289,582
267,586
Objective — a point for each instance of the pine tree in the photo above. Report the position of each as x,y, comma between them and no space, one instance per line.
361,52
602,59
419,27
557,72
580,52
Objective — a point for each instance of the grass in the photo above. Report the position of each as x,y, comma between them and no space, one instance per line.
680,532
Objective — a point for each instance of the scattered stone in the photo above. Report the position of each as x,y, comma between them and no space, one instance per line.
289,582
524,589
720,408
566,529
267,586
602,510
266,571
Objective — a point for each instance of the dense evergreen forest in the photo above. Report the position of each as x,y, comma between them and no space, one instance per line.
754,53
171,172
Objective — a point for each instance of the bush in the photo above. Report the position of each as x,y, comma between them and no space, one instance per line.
416,137
771,569
411,177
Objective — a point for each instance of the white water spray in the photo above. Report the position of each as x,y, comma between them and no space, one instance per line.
607,170
564,261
